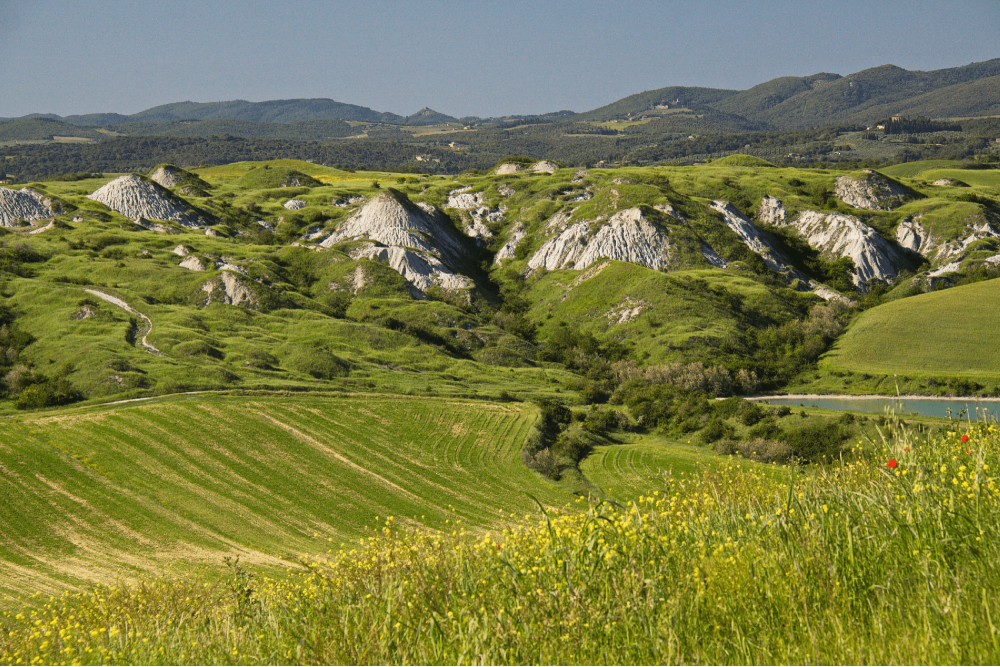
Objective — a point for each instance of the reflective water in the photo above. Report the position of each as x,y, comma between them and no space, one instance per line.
931,407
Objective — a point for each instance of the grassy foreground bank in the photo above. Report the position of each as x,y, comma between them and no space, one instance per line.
885,559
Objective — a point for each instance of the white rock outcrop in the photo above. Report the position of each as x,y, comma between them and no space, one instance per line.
505,190
543,167
626,311
421,270
872,191
508,168
751,236
230,289
181,251
138,198
950,267
167,176
294,204
910,234
509,249
840,235
771,211
464,200
395,225
628,236
713,257
392,222
25,204
192,263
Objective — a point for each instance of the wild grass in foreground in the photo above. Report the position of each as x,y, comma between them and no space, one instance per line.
889,558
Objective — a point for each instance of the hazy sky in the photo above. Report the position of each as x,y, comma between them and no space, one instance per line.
460,58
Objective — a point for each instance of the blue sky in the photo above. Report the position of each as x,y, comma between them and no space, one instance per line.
460,58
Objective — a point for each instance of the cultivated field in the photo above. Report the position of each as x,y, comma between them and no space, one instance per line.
92,495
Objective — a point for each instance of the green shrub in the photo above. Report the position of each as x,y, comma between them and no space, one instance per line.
319,363
194,348
45,393
751,413
814,442
715,430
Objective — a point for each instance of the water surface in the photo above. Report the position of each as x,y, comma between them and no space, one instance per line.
928,407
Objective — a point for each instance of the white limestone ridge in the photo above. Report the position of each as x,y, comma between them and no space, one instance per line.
25,204
294,204
395,221
912,235
628,236
137,198
508,168
840,235
752,236
872,191
167,175
713,257
771,211
509,249
421,270
397,225
756,241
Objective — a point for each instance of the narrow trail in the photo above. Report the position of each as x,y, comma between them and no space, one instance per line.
121,304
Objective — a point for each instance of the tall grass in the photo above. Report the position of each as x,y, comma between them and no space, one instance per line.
856,562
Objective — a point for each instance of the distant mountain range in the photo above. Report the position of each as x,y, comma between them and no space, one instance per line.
274,111
785,103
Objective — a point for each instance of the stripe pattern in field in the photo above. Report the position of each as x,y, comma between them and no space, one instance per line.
94,494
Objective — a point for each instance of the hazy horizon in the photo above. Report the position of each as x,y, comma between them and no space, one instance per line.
458,58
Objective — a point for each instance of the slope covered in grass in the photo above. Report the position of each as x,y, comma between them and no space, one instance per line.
950,332
91,495
886,559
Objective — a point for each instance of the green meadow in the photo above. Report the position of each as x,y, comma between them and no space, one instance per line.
949,332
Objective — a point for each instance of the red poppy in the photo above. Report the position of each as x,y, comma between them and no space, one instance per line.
968,452
965,438
906,449
498,546
892,463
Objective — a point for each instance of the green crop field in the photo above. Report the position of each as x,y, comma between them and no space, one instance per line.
914,169
96,494
951,332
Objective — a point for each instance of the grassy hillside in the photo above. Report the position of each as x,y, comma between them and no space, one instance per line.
724,567
949,332
92,495
337,319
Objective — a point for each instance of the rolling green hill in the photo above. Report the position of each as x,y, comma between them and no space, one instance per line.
946,333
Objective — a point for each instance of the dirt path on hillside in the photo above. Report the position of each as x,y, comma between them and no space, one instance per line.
124,306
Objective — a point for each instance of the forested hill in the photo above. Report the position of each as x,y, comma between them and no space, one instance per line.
824,99
785,103
273,111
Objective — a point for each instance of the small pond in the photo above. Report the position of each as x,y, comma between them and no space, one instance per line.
928,407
